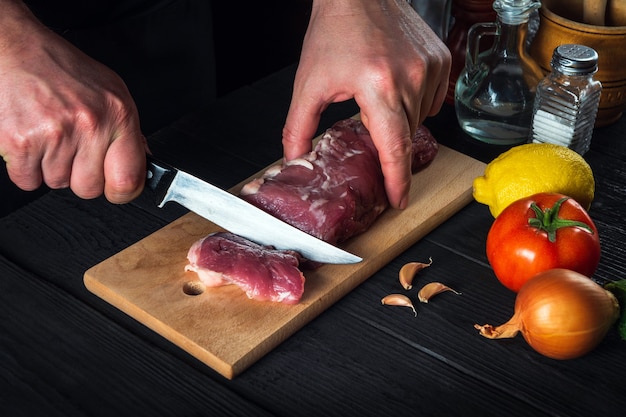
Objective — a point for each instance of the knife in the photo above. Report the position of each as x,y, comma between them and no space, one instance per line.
237,215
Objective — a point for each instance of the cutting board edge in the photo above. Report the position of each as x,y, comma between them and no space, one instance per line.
223,367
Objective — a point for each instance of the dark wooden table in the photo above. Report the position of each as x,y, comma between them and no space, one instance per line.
65,352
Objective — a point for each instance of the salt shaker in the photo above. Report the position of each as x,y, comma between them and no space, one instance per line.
567,99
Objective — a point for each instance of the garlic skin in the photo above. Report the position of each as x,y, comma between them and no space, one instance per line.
399,300
561,314
408,271
429,290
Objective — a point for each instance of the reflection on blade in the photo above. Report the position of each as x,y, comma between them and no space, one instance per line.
242,218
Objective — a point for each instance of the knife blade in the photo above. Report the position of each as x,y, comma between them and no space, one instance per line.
237,215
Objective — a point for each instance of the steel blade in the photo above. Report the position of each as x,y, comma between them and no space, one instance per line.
242,218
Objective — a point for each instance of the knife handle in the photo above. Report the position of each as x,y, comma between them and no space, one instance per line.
159,175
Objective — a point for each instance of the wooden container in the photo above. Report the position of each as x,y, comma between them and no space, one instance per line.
608,41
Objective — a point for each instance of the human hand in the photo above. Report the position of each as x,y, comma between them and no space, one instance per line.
384,56
66,119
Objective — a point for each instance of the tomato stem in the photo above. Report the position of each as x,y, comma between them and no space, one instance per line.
549,220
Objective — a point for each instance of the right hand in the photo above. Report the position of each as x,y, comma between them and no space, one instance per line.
66,120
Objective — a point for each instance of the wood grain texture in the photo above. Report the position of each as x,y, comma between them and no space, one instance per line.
222,327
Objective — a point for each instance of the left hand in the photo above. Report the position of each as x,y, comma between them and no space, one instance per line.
384,56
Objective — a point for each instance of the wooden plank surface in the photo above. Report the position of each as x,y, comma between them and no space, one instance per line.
221,326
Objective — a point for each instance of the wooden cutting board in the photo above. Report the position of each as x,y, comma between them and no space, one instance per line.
221,326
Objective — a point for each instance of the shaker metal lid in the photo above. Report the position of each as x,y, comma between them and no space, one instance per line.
575,59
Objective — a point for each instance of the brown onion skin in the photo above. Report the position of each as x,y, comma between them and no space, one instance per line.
563,314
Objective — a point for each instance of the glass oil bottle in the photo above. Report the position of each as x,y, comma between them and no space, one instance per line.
495,92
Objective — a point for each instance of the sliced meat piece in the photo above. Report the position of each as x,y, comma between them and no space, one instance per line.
264,273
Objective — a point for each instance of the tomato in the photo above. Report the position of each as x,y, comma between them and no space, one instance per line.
541,232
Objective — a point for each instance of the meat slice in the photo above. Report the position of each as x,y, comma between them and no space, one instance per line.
264,273
337,190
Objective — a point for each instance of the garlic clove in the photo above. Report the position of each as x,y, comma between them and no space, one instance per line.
408,271
428,291
399,300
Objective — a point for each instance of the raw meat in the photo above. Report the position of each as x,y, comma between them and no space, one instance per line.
425,148
334,192
264,273
337,190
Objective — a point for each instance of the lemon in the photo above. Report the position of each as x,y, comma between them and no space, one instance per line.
533,168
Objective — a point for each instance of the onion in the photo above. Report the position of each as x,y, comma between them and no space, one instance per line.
561,314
